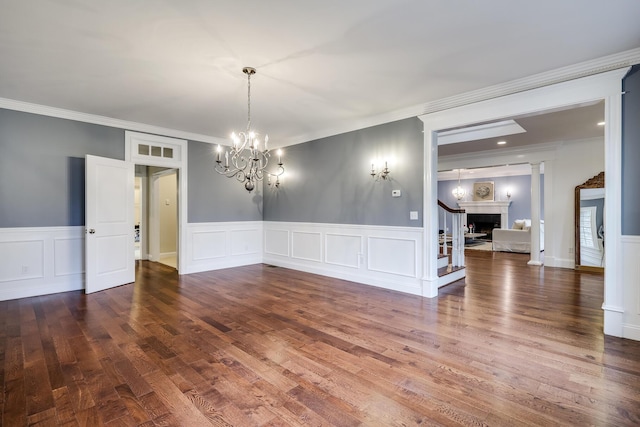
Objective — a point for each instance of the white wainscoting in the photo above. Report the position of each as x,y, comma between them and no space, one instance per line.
40,261
216,245
630,250
387,257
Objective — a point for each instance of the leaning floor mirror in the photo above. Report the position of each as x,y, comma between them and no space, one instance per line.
589,224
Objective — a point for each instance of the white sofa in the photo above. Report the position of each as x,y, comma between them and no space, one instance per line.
516,239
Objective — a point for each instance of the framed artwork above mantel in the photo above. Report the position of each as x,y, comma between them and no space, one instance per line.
483,191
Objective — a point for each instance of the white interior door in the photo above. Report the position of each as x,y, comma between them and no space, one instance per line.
109,217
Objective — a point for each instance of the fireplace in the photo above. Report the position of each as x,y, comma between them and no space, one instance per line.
498,211
484,223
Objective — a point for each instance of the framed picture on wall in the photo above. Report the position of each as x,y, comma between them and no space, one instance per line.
483,191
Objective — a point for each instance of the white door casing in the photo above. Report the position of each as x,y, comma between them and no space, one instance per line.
109,222
154,150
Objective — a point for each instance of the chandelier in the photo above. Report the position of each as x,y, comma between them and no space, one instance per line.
247,161
458,192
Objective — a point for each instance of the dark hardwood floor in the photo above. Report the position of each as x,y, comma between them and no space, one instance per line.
512,345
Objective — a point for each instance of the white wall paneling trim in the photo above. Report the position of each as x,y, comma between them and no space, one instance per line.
381,255
390,259
40,261
630,316
216,245
306,245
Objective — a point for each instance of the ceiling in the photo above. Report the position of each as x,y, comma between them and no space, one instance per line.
323,66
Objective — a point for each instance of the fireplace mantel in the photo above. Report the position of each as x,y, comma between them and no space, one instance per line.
487,207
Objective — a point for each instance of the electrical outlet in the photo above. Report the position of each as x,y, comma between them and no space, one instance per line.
570,250
25,269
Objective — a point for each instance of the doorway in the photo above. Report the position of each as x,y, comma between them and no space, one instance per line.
156,214
163,216
604,86
161,166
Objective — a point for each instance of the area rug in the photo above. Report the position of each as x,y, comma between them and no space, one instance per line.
484,246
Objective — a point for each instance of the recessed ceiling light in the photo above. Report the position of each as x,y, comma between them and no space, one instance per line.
601,123
502,142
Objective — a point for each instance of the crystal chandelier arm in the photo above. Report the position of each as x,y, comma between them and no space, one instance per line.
245,161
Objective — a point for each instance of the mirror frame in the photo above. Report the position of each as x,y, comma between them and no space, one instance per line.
595,182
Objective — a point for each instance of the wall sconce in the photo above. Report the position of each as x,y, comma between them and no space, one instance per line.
278,174
383,174
458,192
508,193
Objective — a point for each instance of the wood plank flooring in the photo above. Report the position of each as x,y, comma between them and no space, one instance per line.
262,346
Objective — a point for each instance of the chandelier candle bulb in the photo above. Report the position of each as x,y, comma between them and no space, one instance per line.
218,153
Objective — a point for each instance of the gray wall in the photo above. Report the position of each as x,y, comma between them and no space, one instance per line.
42,167
328,181
631,153
215,198
42,173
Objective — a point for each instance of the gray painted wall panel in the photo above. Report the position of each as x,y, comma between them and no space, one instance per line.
631,153
328,181
42,167
215,198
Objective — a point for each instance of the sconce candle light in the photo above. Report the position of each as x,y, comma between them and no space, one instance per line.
276,184
383,174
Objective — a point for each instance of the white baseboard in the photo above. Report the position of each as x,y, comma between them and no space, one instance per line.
39,261
560,262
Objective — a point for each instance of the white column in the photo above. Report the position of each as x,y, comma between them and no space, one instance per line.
535,215
430,221
618,278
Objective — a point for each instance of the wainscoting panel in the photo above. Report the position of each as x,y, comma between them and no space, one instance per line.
276,242
208,245
66,259
382,259
343,250
390,259
307,246
40,261
216,245
630,250
246,242
22,260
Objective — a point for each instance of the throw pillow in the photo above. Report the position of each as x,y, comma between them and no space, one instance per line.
518,224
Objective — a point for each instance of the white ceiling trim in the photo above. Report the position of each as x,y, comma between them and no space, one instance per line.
61,113
572,72
582,69
487,130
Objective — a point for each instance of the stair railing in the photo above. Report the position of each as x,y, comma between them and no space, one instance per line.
457,234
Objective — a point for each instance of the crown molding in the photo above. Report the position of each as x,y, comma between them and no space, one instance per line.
44,110
575,71
547,78
582,69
